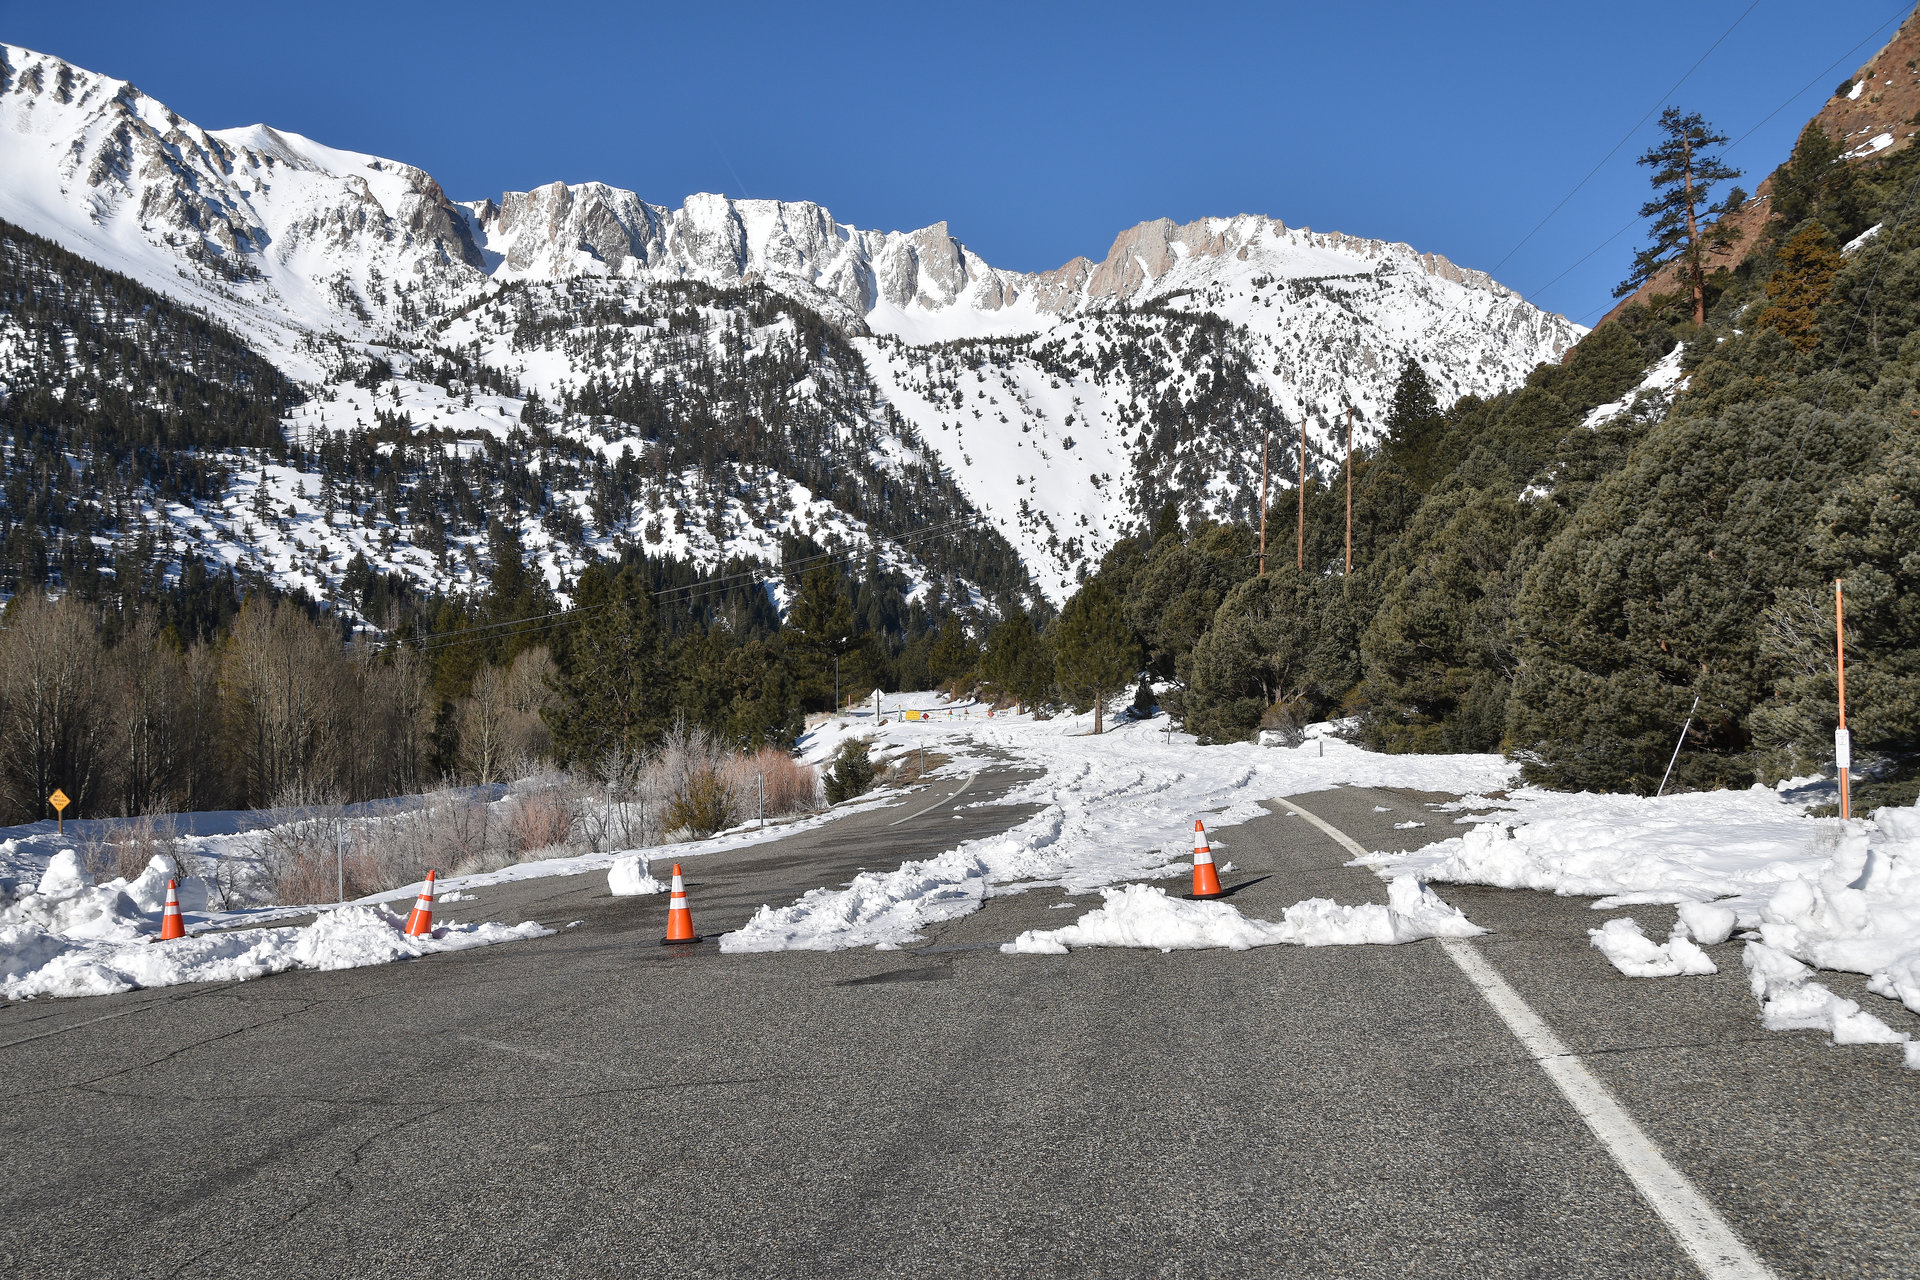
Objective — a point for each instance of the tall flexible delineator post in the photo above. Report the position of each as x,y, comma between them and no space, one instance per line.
1266,438
1842,740
1349,488
1300,533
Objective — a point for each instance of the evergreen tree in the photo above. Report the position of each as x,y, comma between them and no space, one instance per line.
1802,278
1439,653
613,690
1095,652
1414,424
1684,174
1174,595
1018,663
955,657
1256,657
819,631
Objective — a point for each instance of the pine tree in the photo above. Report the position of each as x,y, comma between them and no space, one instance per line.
819,631
1017,663
1095,652
1683,178
613,689
1802,278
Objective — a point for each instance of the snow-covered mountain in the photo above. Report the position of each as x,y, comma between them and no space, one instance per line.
1061,405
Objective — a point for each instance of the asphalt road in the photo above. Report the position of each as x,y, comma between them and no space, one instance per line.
594,1104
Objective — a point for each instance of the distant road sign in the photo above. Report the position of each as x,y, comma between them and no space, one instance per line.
59,800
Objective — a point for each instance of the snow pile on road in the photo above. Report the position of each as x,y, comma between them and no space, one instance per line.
67,902
70,937
1789,1001
1815,891
630,877
1114,808
1734,845
1638,956
1141,915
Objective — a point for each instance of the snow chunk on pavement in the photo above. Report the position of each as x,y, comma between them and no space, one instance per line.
629,877
1789,1001
876,907
1638,956
1141,915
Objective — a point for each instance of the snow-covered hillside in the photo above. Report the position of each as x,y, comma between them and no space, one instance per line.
1061,404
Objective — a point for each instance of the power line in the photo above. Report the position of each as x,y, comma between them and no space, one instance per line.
1755,128
1625,137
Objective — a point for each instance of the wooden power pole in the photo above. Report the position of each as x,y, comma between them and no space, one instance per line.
1300,533
1349,489
1266,438
1842,740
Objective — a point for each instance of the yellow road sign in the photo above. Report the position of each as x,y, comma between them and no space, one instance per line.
59,800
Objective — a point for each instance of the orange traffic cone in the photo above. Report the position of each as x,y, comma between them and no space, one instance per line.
172,924
1206,882
421,919
679,918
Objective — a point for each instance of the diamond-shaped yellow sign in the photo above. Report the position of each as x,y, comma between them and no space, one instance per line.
59,800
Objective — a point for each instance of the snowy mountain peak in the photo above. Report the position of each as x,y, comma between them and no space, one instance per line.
1143,377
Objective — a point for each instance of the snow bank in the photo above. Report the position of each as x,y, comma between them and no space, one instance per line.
70,937
68,903
1141,915
34,962
1790,1001
1114,808
628,877
1816,893
1638,956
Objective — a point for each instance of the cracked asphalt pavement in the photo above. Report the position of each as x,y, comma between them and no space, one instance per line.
595,1104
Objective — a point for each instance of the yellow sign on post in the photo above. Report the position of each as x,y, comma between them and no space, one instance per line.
59,802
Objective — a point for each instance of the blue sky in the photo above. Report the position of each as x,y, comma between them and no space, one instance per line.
1036,131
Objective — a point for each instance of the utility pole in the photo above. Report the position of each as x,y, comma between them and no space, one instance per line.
1349,489
836,684
1842,740
1266,438
1300,533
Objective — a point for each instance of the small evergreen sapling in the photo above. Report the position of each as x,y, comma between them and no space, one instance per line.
852,772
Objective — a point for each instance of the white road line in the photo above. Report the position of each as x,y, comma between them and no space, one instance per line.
1695,1223
937,803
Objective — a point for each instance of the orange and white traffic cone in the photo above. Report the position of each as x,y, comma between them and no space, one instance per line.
1206,881
679,918
421,919
172,923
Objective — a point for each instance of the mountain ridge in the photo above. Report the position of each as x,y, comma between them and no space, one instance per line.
335,263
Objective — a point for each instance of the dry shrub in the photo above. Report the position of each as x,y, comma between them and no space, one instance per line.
537,818
791,787
704,804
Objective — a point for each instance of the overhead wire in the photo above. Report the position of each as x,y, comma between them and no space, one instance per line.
1751,130
1626,137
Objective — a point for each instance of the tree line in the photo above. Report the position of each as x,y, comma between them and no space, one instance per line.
1527,582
